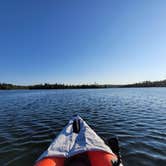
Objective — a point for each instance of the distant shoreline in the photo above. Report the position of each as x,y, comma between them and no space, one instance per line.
5,86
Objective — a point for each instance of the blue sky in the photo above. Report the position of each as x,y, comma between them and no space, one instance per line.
82,41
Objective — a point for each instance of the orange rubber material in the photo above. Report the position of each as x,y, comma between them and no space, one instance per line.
98,158
51,161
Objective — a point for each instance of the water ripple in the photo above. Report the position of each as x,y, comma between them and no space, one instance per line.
31,119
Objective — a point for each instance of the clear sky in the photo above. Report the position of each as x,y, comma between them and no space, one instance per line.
82,41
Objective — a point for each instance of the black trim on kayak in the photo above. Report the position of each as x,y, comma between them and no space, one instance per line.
113,144
77,159
76,126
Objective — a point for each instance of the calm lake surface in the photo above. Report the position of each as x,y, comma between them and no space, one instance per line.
30,119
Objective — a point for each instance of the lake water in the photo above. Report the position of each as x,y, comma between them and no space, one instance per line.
30,119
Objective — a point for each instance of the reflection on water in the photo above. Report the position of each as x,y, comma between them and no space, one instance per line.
29,120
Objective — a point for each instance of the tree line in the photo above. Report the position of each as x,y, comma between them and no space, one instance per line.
5,86
147,84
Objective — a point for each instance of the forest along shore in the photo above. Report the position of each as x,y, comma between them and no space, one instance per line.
6,86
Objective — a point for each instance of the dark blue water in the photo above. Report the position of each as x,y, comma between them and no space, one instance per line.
29,120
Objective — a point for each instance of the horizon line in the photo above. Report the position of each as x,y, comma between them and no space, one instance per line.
77,84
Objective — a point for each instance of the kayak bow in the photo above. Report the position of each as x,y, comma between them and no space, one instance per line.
77,144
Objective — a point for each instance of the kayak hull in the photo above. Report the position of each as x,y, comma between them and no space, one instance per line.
96,158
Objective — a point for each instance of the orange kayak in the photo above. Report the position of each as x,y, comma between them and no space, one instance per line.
78,145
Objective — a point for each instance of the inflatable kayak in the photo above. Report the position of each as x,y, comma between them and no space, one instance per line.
78,145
